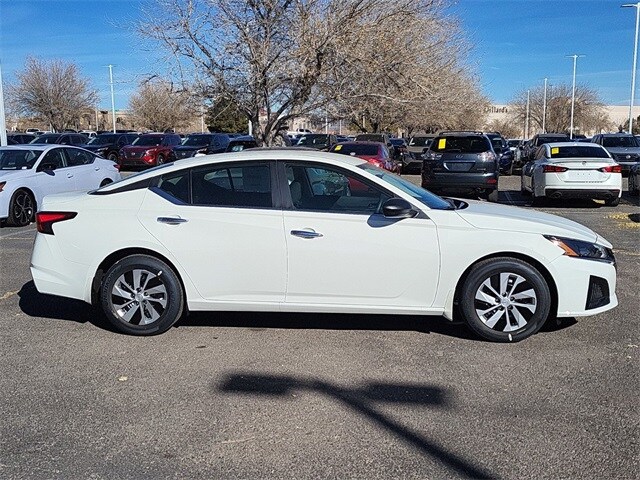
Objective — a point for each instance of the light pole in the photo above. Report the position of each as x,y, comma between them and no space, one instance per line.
544,108
113,103
3,124
573,91
635,58
526,122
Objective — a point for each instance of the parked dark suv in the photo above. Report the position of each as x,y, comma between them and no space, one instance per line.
202,144
61,139
531,147
108,145
623,147
463,162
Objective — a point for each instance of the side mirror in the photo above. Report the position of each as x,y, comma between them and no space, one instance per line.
398,208
46,166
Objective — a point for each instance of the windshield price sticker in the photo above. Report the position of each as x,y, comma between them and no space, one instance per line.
338,148
555,150
442,143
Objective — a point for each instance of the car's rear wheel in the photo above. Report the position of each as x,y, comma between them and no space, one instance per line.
505,299
106,181
141,295
634,189
113,157
612,202
160,159
22,209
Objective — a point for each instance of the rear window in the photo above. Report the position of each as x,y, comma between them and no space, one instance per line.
578,151
355,149
196,140
613,142
542,140
313,140
466,144
370,138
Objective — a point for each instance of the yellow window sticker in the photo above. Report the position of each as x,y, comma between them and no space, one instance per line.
337,148
442,143
555,150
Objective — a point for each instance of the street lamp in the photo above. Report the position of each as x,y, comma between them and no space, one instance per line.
526,122
573,90
3,124
113,103
635,57
544,107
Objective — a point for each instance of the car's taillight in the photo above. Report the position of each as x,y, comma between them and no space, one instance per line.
554,169
487,156
45,220
611,169
116,166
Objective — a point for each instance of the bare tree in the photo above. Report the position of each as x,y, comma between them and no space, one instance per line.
51,91
158,106
289,58
589,110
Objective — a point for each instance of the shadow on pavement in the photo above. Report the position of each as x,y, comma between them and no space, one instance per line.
326,321
362,401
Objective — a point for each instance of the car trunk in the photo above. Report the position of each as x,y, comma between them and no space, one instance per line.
582,170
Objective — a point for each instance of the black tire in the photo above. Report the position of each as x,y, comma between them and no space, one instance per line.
490,195
160,159
113,157
106,181
498,316
612,202
135,313
22,209
634,190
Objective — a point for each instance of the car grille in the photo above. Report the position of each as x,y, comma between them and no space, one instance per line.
183,154
134,154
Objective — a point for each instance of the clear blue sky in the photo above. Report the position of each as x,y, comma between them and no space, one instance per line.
515,43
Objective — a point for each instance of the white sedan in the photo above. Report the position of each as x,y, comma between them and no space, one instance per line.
250,231
29,172
572,170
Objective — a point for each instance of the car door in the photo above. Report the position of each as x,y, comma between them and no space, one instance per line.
85,171
342,252
52,174
220,223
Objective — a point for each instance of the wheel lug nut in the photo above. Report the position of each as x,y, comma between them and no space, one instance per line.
511,299
504,294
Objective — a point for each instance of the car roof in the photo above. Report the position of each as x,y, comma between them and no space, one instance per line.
620,134
573,144
32,146
362,142
287,154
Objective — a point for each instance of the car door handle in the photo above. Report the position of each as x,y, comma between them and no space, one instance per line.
310,233
69,175
171,220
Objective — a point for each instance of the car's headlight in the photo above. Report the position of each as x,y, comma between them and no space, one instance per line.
580,249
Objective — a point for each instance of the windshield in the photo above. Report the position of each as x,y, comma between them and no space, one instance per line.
513,143
356,149
396,142
196,141
497,143
424,196
420,141
18,159
313,140
103,139
619,142
46,139
148,141
370,137
578,151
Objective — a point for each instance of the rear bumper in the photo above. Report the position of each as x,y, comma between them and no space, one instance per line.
460,181
600,194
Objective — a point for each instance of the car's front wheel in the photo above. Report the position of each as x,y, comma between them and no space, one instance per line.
141,295
505,299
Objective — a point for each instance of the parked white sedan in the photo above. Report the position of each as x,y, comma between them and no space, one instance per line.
29,172
572,170
251,231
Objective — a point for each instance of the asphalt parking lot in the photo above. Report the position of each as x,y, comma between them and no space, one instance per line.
251,395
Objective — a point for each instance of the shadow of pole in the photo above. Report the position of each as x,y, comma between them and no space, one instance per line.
360,400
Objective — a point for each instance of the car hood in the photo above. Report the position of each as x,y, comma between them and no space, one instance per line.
189,148
492,216
136,148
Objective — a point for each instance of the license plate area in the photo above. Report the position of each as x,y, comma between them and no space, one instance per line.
459,166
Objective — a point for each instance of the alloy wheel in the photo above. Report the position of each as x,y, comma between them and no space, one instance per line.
22,208
505,302
139,296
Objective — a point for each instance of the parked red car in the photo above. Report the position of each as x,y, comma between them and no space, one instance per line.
148,150
373,152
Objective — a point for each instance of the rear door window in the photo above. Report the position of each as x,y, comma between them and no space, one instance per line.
463,144
240,185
